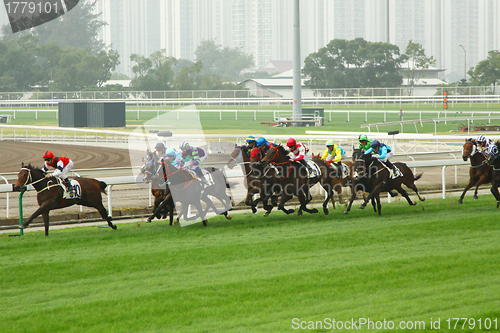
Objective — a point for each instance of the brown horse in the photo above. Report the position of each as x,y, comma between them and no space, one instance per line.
256,181
338,181
51,191
377,180
480,171
295,180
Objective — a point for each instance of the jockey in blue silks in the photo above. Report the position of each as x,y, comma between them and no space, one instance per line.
174,157
383,152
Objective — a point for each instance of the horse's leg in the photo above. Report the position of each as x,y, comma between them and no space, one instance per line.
307,198
471,183
354,191
404,194
104,214
376,191
414,188
44,208
374,204
494,191
329,195
163,202
46,222
284,199
379,206
482,180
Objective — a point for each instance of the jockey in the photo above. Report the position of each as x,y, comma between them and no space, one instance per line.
261,148
483,143
364,142
193,157
333,152
383,152
251,142
299,153
175,157
159,150
61,165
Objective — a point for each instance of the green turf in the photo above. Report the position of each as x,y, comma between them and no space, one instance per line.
256,274
245,123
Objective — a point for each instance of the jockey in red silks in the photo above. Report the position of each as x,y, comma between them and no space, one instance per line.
299,153
62,166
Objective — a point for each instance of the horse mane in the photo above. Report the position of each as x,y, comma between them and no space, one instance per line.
281,149
34,168
244,148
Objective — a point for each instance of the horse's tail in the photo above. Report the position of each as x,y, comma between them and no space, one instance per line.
417,177
103,186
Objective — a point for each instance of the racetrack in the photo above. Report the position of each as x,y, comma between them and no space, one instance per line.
13,153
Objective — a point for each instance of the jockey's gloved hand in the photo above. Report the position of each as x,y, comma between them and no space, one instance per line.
196,163
375,156
48,175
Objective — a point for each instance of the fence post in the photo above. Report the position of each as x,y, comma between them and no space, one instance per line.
443,175
21,231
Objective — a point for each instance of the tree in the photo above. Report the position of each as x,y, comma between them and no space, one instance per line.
353,64
153,73
79,69
77,28
225,62
487,71
416,62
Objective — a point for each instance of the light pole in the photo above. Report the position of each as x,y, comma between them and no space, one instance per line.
465,62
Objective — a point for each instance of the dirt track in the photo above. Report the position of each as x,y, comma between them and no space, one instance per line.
13,153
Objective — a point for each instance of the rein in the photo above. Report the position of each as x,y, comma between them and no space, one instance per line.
279,163
186,184
29,180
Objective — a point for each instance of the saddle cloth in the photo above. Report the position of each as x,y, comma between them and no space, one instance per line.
345,171
77,190
316,171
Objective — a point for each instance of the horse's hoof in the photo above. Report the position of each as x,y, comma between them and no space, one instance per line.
149,220
326,211
228,217
254,210
413,204
346,212
498,204
460,202
362,207
475,197
290,211
114,226
314,211
204,223
266,214
299,213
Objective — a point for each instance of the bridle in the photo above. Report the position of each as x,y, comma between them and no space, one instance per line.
474,148
29,178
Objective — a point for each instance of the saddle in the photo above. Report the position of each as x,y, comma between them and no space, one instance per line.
77,190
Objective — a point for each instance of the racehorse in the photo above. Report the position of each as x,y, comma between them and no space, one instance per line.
494,161
50,194
295,180
338,181
159,188
256,181
378,179
480,171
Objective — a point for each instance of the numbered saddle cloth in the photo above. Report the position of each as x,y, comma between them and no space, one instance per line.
345,171
77,189
316,171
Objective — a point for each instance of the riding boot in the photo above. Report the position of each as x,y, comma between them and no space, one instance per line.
395,170
70,188
309,170
200,175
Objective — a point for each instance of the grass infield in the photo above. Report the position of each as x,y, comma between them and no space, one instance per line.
437,260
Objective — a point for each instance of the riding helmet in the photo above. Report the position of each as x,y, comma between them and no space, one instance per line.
363,137
160,146
170,151
184,145
48,154
375,144
481,138
261,141
329,143
291,142
251,139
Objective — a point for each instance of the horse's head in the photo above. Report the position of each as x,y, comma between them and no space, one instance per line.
469,149
356,154
236,156
362,164
148,167
27,175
